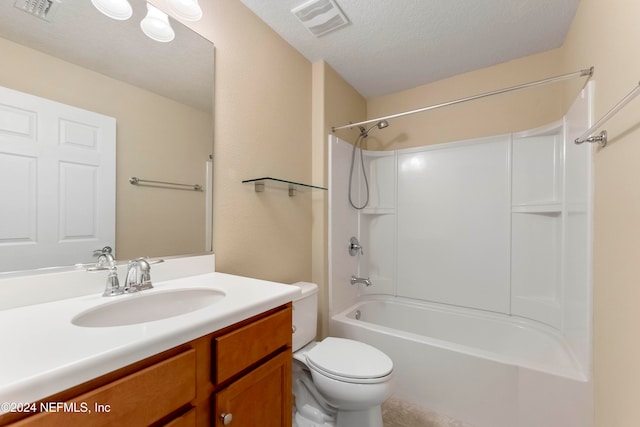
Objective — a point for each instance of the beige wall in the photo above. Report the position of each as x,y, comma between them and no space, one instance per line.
157,138
505,113
262,128
605,33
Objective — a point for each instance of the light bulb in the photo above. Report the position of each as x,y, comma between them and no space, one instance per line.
156,25
116,9
189,10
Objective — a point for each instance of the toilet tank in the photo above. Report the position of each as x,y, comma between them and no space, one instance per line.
305,315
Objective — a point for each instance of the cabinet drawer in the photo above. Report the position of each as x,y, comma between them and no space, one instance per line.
187,419
239,349
137,399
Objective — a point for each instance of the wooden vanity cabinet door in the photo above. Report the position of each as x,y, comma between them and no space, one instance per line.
260,398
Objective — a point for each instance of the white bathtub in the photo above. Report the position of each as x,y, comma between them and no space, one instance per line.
485,369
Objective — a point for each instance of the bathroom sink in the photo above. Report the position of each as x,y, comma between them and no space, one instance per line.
146,307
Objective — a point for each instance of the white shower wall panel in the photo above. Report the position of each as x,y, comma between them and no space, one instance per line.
535,267
381,172
377,231
538,158
578,230
453,223
343,223
378,223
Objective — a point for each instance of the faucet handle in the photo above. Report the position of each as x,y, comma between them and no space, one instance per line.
105,250
113,284
355,247
106,260
105,257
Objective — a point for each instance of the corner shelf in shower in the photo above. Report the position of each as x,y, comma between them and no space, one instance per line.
291,186
378,211
550,207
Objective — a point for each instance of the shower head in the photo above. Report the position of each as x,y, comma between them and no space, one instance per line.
380,125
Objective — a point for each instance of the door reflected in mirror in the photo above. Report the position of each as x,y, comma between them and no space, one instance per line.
161,96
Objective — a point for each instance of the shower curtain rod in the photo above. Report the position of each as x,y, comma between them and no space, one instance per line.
581,73
601,138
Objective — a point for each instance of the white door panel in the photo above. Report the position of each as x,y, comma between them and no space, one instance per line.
57,182
16,123
17,183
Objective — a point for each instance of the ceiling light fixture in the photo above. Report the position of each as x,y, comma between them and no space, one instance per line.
115,9
156,25
189,10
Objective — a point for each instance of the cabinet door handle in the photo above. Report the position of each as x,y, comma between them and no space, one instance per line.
226,419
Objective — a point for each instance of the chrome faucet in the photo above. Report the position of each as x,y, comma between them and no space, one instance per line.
136,270
362,280
139,275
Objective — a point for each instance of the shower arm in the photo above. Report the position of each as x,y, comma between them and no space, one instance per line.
582,73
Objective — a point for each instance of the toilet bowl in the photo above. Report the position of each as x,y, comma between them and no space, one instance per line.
337,382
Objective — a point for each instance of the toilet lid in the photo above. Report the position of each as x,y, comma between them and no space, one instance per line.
349,359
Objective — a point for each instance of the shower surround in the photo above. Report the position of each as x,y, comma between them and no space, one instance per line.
479,255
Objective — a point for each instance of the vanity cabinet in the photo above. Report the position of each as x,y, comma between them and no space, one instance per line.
239,376
259,396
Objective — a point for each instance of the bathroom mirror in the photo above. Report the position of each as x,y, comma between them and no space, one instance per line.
161,95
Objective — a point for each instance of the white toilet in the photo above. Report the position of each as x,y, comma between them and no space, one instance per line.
337,382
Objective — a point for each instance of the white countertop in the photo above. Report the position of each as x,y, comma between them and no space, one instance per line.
42,352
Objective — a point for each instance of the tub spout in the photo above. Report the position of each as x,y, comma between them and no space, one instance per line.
355,280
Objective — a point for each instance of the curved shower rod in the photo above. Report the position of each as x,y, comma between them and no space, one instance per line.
601,138
581,73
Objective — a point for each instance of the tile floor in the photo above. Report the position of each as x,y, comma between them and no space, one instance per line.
399,413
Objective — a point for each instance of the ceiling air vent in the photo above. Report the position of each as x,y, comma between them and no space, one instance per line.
320,16
43,9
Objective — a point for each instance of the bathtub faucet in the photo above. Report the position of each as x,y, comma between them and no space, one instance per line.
355,280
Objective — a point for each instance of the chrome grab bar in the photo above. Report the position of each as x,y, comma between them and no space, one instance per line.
138,181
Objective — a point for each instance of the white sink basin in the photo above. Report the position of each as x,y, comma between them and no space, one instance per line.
147,307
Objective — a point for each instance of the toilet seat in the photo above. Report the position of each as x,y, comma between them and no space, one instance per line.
349,361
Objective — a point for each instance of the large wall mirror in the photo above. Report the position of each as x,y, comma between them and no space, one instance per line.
161,96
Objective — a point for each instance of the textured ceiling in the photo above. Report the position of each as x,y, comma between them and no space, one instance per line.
390,46
181,70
